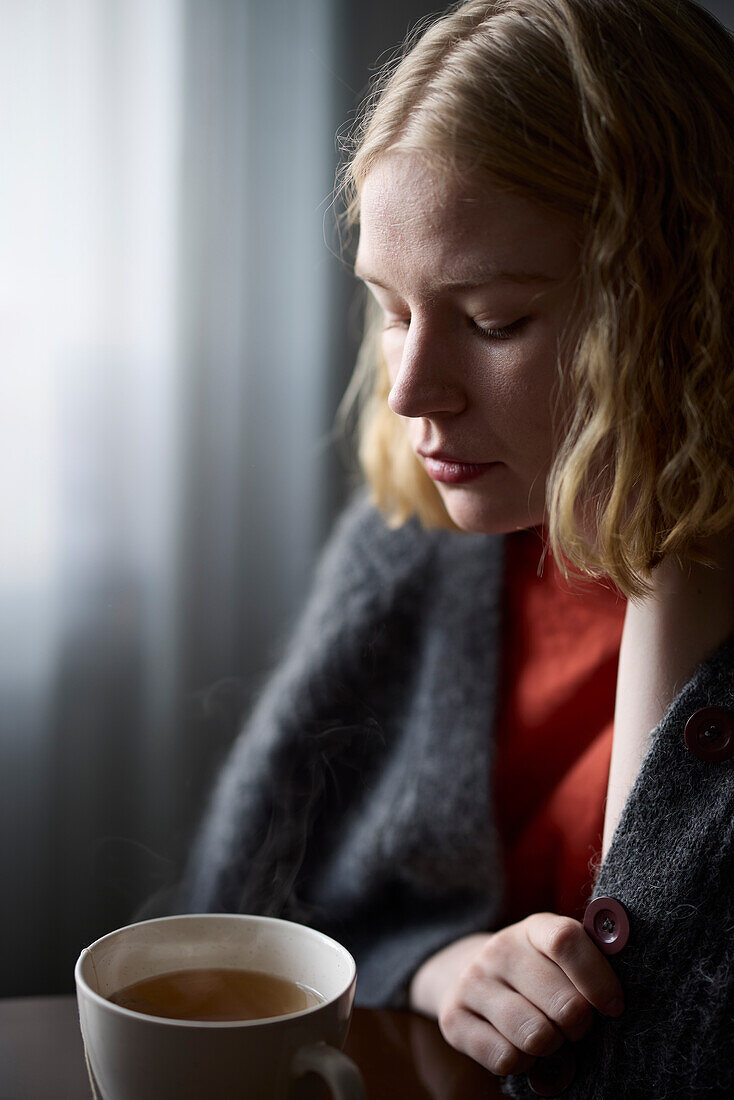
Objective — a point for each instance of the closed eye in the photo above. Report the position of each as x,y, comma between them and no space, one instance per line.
504,333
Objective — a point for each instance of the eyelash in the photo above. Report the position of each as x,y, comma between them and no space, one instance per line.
499,333
504,333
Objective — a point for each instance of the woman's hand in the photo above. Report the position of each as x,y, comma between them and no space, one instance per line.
509,997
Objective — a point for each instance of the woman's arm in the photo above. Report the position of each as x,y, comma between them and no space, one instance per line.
665,637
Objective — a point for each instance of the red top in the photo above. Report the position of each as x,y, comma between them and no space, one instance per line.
554,732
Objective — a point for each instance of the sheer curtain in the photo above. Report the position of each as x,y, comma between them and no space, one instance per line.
170,371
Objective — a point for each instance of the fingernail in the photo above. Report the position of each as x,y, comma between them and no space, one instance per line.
615,1007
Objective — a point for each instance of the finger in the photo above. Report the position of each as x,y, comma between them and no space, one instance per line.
558,999
514,961
475,1036
521,1021
542,982
564,941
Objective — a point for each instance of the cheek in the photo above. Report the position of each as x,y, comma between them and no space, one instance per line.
520,398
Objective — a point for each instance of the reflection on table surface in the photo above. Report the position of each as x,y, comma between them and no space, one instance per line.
402,1056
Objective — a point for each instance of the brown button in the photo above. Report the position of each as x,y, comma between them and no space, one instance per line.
552,1075
709,734
606,921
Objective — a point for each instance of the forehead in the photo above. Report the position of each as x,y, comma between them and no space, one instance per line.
420,223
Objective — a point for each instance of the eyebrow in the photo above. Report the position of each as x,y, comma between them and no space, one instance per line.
482,278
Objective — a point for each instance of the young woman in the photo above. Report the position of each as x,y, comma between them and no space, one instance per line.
507,790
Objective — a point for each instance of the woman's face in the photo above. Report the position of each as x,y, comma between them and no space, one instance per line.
476,288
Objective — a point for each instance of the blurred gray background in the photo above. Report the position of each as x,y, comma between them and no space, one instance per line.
177,329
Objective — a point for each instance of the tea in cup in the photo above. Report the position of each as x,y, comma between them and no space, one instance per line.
216,1007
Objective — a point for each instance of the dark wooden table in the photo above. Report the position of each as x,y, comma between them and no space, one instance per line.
402,1056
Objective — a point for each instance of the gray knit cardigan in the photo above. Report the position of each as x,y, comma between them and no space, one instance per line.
357,800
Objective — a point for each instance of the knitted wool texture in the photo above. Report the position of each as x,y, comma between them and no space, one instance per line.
356,799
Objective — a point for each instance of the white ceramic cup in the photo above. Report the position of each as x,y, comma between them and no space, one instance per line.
133,1056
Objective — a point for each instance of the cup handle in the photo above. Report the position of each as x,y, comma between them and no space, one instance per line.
337,1070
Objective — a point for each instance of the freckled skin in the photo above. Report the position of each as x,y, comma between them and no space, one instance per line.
473,395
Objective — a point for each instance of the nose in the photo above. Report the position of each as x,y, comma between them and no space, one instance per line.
427,382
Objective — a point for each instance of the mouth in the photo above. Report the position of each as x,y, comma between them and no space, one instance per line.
452,471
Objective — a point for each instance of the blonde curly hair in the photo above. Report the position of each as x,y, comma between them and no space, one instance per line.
621,113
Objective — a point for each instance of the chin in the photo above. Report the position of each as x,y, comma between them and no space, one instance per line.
475,515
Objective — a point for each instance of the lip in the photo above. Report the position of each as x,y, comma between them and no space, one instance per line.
452,471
